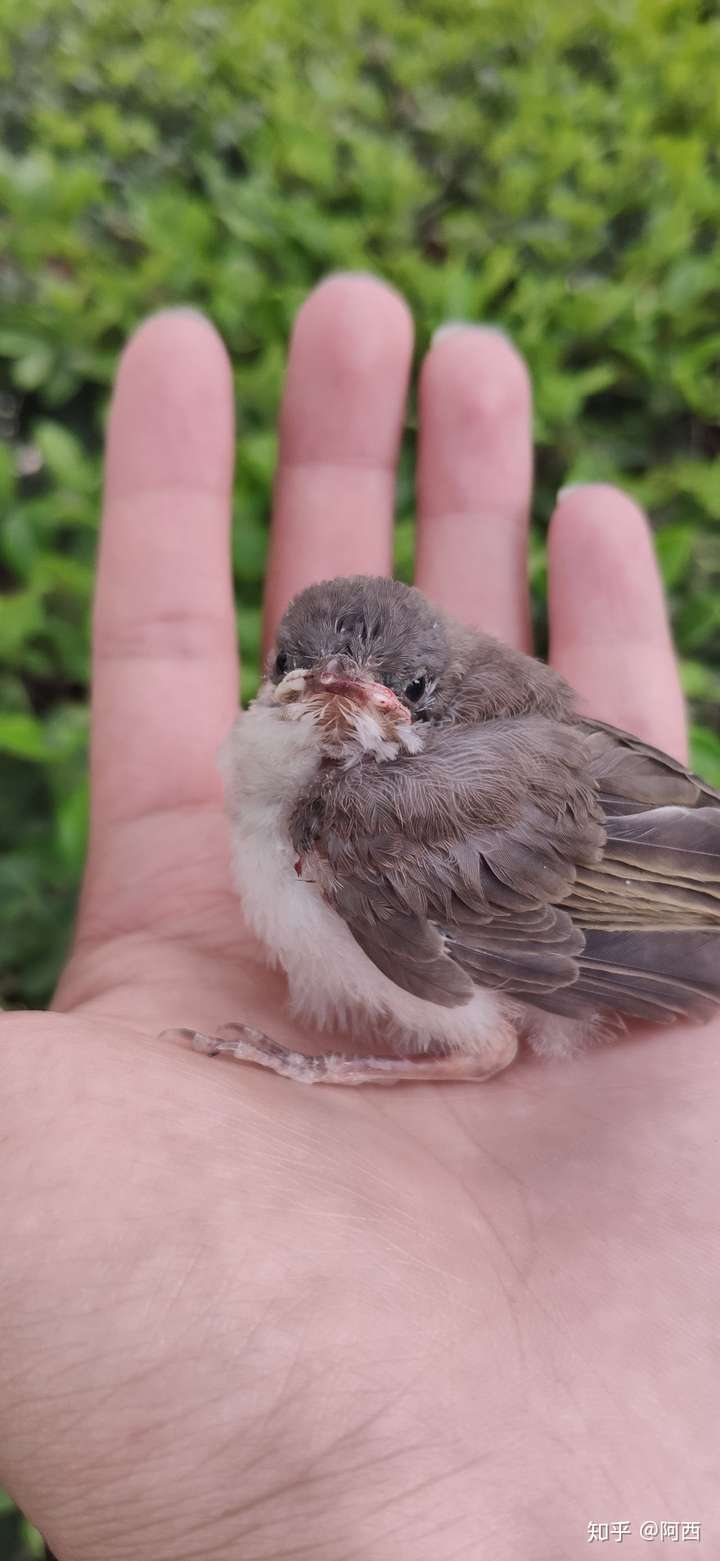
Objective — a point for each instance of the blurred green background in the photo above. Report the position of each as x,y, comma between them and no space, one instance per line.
552,168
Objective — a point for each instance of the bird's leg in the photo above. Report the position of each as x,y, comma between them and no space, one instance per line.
249,1045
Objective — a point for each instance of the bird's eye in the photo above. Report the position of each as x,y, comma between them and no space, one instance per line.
281,663
346,628
415,690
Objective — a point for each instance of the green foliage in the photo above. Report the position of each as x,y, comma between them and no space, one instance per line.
19,1541
551,168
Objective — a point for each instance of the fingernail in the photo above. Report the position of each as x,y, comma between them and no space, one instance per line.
187,309
468,325
448,327
570,487
345,274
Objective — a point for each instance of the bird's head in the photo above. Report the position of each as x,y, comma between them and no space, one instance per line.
366,657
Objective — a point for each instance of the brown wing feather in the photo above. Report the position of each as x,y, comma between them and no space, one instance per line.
570,865
650,911
477,838
631,775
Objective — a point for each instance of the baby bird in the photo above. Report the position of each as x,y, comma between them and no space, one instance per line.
443,856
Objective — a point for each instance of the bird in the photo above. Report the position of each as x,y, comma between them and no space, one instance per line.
444,855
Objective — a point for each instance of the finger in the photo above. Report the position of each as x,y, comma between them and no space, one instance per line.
609,633
164,649
340,428
474,481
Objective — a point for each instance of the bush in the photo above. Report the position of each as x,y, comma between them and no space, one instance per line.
551,168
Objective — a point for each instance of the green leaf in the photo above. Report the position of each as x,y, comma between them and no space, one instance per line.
20,619
64,456
249,625
71,821
7,475
32,1540
23,737
18,543
699,681
404,549
675,545
705,751
249,552
249,681
34,369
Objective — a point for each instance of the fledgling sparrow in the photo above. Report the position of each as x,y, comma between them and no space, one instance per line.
442,854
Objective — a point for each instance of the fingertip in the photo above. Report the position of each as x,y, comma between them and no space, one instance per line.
609,629
167,338
591,501
171,416
362,313
480,370
601,539
340,430
351,344
164,641
474,479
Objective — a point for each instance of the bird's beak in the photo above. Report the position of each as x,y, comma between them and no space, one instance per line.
336,685
331,679
338,676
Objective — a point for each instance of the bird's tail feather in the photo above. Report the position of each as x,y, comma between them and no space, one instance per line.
650,912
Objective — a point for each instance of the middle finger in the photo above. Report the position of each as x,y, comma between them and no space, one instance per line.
474,481
340,428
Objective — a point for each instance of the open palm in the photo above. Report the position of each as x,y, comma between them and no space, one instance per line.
244,1319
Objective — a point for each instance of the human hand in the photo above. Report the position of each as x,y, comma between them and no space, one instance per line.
242,1319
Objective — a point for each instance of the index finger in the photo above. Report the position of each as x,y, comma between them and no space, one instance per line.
164,660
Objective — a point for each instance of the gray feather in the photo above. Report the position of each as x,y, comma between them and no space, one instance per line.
524,848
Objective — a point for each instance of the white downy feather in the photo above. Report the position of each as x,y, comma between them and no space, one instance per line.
268,758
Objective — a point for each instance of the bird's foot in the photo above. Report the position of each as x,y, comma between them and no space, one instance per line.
247,1044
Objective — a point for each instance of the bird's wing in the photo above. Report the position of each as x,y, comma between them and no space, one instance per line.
650,910
549,860
631,775
451,869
